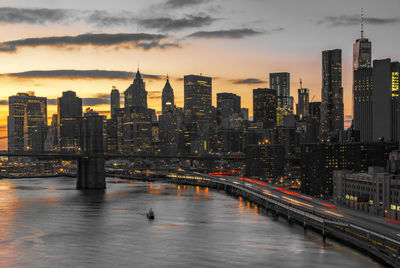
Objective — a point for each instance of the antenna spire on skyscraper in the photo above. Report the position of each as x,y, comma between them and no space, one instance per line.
362,23
301,84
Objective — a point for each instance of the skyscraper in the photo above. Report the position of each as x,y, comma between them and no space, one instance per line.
197,93
115,101
281,83
137,122
362,86
332,117
27,122
167,98
303,101
264,106
395,69
69,113
227,105
136,94
362,50
198,113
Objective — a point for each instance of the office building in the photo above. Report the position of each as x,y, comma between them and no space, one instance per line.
136,94
26,122
265,107
281,83
69,112
303,102
227,105
332,117
115,101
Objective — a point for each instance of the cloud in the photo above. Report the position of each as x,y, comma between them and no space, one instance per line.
351,20
183,3
97,99
154,95
157,44
36,16
84,39
171,24
227,34
101,74
3,102
248,81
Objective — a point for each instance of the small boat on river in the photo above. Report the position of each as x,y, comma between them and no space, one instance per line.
150,214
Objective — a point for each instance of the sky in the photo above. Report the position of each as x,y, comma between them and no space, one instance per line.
91,46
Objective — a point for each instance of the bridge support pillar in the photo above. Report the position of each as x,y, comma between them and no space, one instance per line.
91,171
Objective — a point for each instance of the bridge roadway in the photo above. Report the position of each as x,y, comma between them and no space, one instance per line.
109,156
371,234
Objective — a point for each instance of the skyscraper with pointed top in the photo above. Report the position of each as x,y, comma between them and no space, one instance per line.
362,86
362,49
167,98
136,94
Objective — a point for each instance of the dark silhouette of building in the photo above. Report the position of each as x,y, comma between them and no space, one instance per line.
27,122
332,117
264,107
136,94
167,98
115,101
51,141
170,122
227,105
91,171
69,112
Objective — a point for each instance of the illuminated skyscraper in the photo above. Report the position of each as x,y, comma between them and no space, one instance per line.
303,101
27,122
197,93
167,98
362,86
198,113
332,118
115,101
362,50
69,113
281,83
264,106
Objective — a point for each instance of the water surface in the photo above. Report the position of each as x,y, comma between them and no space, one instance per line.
48,223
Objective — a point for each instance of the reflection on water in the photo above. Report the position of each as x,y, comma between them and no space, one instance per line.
47,223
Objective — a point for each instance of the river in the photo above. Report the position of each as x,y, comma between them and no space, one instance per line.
46,222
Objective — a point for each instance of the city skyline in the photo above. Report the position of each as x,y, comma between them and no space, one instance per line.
260,46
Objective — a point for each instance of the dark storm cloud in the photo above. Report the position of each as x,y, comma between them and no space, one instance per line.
83,39
171,24
184,3
104,74
227,34
248,81
36,16
351,20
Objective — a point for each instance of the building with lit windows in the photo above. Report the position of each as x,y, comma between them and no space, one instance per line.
281,83
303,102
167,98
376,191
198,113
318,160
227,105
26,122
265,107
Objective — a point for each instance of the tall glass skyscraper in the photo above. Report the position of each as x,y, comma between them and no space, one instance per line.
332,117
